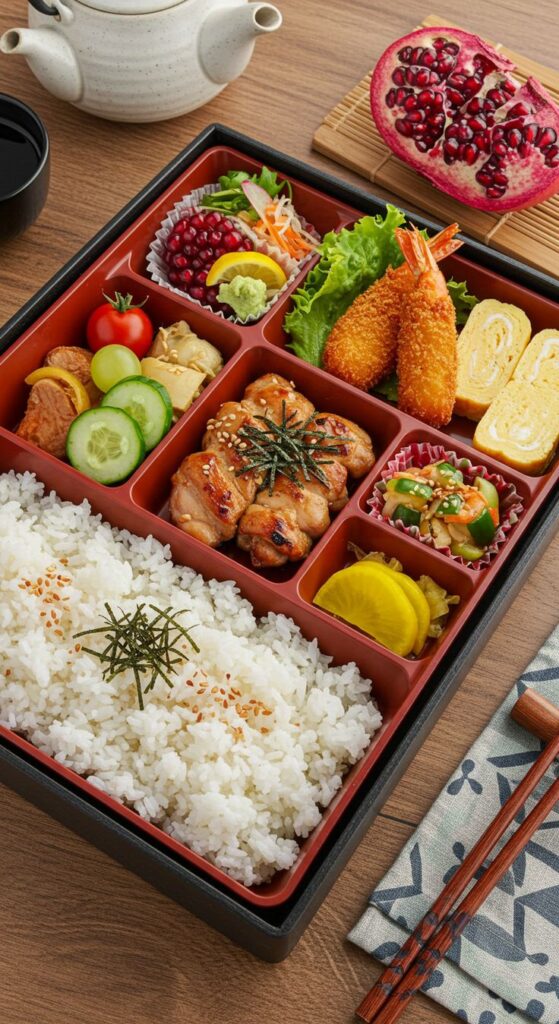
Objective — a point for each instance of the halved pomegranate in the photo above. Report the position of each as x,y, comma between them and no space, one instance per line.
447,104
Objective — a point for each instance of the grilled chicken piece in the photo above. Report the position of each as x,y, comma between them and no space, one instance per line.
272,537
335,490
48,416
205,500
310,510
77,361
265,397
355,449
220,436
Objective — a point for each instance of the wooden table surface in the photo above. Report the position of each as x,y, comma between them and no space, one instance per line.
83,940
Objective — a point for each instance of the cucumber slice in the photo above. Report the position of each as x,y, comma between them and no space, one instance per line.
105,444
147,402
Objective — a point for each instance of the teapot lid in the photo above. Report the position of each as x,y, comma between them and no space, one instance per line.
131,6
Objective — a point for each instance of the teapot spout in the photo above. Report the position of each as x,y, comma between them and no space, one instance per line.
228,35
50,57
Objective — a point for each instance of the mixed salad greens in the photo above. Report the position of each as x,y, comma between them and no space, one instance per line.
231,198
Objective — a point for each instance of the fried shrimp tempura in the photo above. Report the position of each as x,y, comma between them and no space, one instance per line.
427,340
361,348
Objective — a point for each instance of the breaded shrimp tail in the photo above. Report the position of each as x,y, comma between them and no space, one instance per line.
361,347
427,340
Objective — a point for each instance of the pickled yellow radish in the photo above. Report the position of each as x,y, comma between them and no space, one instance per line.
419,602
367,596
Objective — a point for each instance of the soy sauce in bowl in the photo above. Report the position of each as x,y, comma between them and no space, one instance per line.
24,166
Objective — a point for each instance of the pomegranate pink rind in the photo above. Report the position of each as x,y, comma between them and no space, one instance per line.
158,269
456,114
422,453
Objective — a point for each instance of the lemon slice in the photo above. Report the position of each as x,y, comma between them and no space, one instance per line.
366,596
247,264
418,601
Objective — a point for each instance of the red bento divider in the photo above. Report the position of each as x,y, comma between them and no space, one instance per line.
141,504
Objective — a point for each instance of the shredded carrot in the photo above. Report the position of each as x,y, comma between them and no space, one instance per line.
276,223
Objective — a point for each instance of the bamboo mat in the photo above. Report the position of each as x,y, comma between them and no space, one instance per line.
349,136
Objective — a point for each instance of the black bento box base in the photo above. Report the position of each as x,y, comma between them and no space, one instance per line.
272,934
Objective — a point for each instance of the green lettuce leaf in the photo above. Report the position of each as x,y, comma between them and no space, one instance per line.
231,198
350,261
388,388
463,301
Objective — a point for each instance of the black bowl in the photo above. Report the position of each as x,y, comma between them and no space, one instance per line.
24,166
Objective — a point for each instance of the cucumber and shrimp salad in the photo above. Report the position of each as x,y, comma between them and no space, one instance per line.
440,503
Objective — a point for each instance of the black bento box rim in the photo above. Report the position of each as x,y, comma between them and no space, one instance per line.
272,933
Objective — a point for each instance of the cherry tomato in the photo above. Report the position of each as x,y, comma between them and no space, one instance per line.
119,322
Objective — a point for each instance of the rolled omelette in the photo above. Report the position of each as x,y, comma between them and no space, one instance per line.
489,348
539,364
521,427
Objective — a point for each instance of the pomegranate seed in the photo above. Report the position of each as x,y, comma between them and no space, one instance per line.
454,97
484,178
197,292
436,120
189,234
410,75
471,153
415,116
405,55
451,147
496,97
410,103
416,55
525,149
227,225
422,145
180,261
438,100
500,178
500,149
206,255
452,48
519,110
403,127
398,76
457,80
211,296
213,219
552,156
452,131
465,133
201,277
514,138
439,43
219,252
482,142
188,251
498,134
429,57
425,97
173,277
477,124
232,240
401,95
201,239
186,276
488,106
509,87
423,77
390,98
474,106
434,78
246,246
196,264
546,137
445,65
214,238
530,132
496,191
471,84
174,244
197,221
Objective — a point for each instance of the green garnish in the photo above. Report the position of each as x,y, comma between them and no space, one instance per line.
286,448
463,301
230,198
144,645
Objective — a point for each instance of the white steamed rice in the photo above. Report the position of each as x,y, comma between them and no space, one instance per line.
237,795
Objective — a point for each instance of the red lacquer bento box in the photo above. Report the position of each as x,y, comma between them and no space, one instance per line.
410,693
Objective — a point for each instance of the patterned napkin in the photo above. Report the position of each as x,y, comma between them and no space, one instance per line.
504,969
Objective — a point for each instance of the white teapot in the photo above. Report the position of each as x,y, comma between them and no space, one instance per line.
139,60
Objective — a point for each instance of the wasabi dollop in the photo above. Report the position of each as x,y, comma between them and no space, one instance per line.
247,296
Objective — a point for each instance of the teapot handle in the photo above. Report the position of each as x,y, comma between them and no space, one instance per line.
43,7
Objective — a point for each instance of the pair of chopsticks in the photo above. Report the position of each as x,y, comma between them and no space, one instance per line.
441,926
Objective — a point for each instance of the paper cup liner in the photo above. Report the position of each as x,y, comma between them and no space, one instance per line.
158,269
422,454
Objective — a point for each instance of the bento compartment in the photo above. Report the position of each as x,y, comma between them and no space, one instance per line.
320,210
356,537
152,486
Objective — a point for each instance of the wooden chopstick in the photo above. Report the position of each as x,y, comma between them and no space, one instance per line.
371,1006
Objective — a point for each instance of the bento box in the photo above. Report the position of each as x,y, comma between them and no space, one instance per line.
269,918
